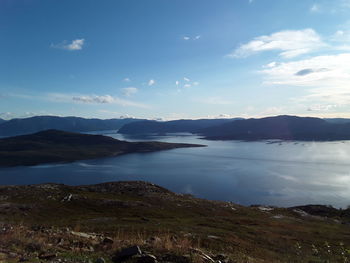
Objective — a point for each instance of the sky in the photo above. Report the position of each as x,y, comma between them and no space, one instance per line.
172,59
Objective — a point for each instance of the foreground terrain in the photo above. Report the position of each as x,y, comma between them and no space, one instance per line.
53,146
59,223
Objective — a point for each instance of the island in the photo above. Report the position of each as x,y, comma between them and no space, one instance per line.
55,146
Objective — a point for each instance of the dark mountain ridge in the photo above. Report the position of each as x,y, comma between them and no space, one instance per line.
280,127
161,127
73,124
53,146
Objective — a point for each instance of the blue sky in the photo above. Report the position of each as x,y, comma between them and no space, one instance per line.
174,58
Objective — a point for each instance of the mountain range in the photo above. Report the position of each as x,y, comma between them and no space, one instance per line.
191,126
73,124
279,127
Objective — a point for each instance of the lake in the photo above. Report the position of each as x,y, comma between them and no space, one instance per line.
262,172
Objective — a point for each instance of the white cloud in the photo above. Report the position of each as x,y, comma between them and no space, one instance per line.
151,82
315,8
290,43
76,44
177,83
94,99
326,79
187,38
320,107
186,86
186,79
129,91
126,80
90,99
196,83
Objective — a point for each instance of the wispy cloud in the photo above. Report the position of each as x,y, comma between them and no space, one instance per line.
332,7
315,8
76,44
94,99
105,99
290,44
151,82
325,78
126,80
187,38
129,91
79,98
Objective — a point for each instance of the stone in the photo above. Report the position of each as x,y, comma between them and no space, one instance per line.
148,258
84,235
126,253
107,240
47,256
175,258
100,260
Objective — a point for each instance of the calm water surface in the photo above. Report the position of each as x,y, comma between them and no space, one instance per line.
265,172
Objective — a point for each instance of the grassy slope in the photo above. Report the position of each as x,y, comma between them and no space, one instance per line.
135,211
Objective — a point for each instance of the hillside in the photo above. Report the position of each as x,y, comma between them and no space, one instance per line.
59,223
2,121
279,127
53,146
158,127
73,124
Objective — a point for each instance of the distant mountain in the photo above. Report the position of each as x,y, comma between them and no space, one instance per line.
53,146
74,124
162,127
337,120
279,127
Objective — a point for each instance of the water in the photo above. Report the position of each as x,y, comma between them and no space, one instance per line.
264,172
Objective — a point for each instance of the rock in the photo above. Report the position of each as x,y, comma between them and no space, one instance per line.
84,235
153,240
265,208
126,253
47,256
213,237
175,258
202,254
107,241
100,260
220,257
67,198
148,258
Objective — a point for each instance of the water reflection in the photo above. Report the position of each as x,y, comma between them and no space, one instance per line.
266,172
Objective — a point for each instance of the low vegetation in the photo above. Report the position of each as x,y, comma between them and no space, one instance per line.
59,223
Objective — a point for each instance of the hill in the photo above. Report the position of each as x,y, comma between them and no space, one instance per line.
337,120
2,121
279,127
54,146
158,127
60,223
74,124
